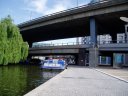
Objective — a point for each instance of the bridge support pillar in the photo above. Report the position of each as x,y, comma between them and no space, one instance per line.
93,57
93,50
93,33
81,57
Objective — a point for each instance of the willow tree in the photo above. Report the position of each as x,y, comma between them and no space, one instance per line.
12,47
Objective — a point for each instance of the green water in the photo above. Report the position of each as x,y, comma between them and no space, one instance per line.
20,79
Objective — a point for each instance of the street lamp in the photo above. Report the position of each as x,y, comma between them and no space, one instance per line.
77,3
125,19
77,39
30,15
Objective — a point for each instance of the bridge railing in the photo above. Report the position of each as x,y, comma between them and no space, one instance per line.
71,9
113,42
81,43
58,44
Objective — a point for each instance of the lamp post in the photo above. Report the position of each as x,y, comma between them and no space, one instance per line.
30,15
77,39
125,19
77,3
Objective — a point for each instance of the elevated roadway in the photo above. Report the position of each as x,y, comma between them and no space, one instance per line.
89,20
74,49
75,22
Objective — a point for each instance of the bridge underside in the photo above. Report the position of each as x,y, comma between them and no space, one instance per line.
79,54
98,19
106,24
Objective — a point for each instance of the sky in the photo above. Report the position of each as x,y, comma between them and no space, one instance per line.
25,10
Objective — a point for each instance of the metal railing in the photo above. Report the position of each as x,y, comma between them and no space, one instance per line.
71,9
82,43
113,42
57,44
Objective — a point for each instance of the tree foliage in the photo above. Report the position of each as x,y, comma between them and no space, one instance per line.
12,47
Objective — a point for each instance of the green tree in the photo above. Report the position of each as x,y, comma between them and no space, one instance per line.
12,47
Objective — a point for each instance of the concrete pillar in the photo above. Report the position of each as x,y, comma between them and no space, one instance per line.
81,57
93,50
77,40
93,33
114,38
93,57
126,32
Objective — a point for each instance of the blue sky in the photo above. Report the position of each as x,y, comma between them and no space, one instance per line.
24,10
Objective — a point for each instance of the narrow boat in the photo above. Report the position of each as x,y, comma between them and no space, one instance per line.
54,64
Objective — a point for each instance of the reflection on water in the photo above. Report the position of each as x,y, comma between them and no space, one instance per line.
20,79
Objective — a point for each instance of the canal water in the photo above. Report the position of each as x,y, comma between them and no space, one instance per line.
20,79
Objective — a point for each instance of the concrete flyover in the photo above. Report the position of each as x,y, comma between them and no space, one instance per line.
77,50
66,49
76,22
74,49
92,19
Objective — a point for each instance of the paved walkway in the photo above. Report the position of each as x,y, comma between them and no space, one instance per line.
78,81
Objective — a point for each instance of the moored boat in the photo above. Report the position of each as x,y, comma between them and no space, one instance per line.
54,64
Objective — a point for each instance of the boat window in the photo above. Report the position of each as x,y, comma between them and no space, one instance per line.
50,61
45,61
61,62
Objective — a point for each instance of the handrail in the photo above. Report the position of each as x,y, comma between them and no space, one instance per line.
59,44
80,43
71,9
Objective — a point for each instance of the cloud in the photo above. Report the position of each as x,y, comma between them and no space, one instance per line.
42,6
35,5
84,3
58,6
